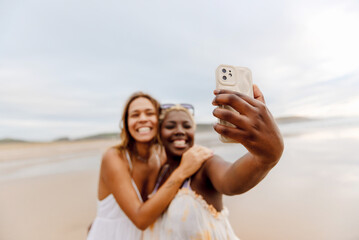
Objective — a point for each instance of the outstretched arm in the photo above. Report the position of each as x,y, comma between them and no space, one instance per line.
256,130
116,176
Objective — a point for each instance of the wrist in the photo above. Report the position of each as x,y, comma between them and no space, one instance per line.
179,175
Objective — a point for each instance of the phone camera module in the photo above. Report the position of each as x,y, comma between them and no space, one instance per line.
224,70
224,78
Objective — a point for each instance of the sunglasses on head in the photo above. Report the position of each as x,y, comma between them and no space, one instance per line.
188,106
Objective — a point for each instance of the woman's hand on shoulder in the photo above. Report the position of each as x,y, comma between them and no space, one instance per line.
193,159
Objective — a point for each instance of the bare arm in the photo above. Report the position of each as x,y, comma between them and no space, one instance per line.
117,178
256,130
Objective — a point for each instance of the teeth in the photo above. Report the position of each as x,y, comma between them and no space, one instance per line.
144,130
179,143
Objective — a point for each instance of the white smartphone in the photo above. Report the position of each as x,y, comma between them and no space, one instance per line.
233,78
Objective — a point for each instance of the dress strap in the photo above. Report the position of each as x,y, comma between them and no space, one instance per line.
133,181
129,160
159,179
187,184
136,189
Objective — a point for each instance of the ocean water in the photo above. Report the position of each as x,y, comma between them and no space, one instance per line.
44,166
328,139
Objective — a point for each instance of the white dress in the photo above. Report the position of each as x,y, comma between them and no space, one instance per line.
111,223
190,217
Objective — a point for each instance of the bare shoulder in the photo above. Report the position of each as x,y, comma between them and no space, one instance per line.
112,159
214,164
114,172
111,153
209,167
213,172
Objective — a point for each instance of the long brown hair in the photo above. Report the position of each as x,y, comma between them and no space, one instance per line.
127,141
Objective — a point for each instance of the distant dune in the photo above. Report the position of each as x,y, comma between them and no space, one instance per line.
99,136
293,119
11,140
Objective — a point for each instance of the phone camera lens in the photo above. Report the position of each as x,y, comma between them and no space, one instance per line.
224,70
224,78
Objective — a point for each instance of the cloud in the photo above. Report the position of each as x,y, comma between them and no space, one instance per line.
78,61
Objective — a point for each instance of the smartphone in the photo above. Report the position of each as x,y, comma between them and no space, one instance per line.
233,78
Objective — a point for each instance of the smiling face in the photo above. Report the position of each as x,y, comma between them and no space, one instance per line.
177,132
142,120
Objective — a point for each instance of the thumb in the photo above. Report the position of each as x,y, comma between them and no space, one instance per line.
257,94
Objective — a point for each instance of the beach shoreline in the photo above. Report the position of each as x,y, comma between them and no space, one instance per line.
38,201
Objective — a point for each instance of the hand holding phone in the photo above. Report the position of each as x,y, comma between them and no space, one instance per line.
233,78
255,128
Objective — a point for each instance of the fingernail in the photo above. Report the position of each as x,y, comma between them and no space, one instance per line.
216,91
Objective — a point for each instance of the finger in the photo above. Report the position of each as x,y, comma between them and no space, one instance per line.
203,152
209,154
230,132
221,91
245,97
204,155
205,149
209,151
239,120
206,152
257,94
234,101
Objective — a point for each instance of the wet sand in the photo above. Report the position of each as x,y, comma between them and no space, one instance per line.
48,207
311,194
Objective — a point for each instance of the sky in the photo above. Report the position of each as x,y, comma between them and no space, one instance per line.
67,67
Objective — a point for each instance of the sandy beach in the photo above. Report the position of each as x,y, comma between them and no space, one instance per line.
48,190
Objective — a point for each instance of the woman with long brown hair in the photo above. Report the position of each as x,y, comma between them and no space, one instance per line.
129,172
